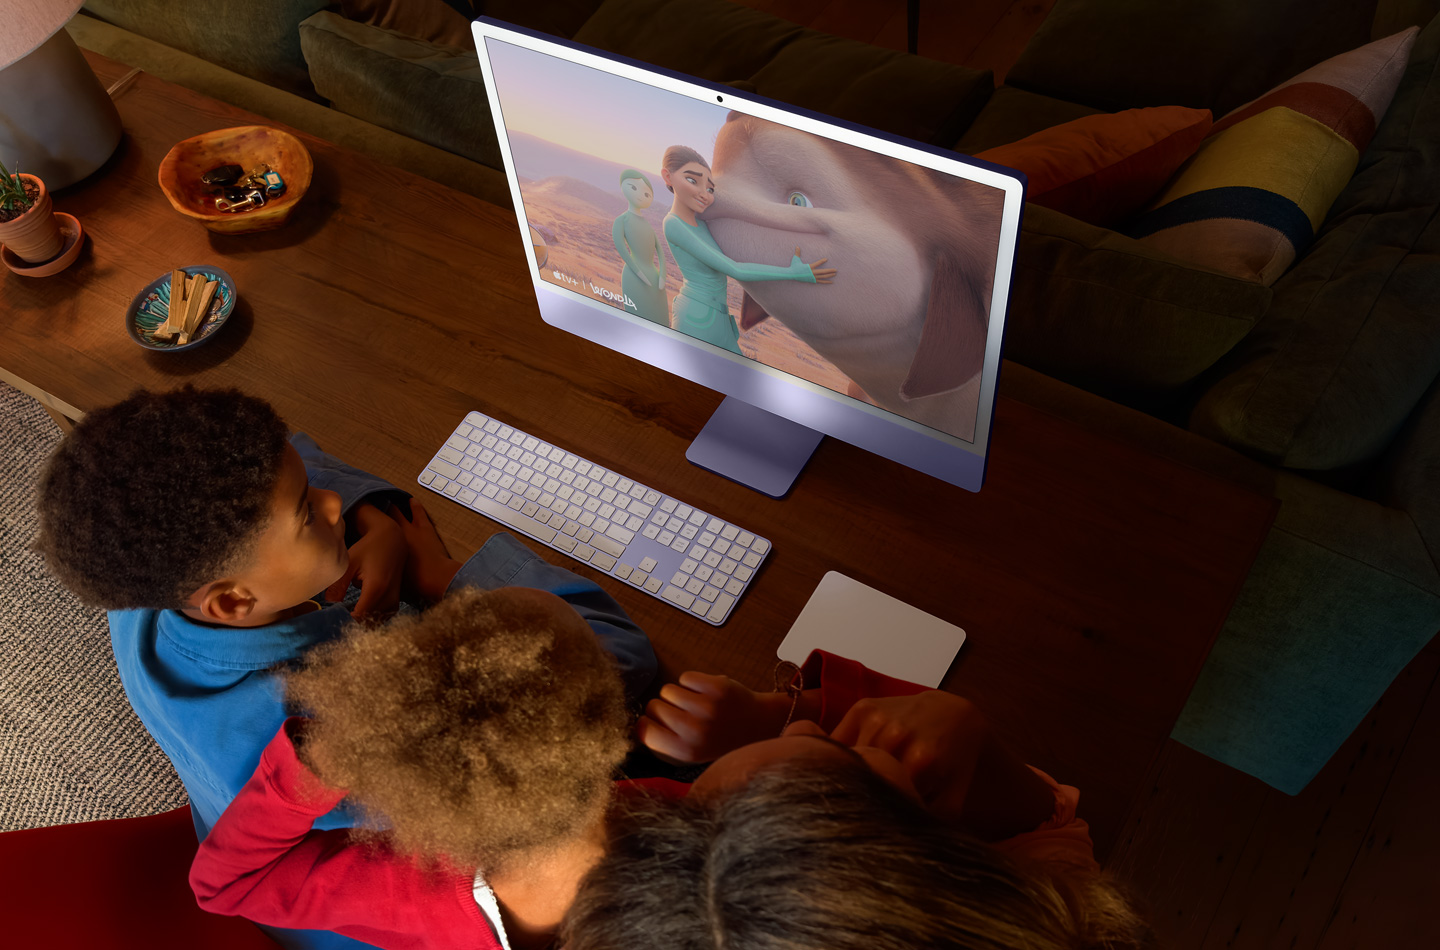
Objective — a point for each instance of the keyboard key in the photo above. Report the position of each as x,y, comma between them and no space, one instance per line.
638,578
680,579
426,477
623,535
704,573
566,544
666,538
744,574
654,584
751,560
744,539
680,544
694,585
668,505
697,518
729,532
721,607
760,546
440,484
720,547
651,531
712,559
683,512
607,545
677,596
451,455
623,571
584,552
602,560
707,539
445,468
732,586
708,593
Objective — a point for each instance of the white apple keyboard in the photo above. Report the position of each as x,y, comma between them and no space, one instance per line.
688,558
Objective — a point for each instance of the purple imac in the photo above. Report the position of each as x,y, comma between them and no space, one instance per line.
828,280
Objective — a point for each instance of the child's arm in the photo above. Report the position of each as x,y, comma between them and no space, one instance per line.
262,861
505,562
962,771
377,551
377,563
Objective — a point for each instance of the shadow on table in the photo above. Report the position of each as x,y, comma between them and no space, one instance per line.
227,342
310,215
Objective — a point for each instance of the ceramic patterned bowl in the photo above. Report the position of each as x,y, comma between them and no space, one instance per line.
151,308
246,146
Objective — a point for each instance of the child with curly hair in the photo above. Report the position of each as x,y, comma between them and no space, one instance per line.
482,736
213,538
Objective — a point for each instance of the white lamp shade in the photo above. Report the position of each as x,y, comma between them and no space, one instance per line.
56,120
25,24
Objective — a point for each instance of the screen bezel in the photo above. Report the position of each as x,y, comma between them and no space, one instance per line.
913,444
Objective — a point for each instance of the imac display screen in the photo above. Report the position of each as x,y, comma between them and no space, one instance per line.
853,274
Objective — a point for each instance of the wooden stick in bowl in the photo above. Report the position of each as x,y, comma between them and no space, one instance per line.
196,316
175,318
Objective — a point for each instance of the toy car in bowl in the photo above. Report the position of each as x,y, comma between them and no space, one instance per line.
149,316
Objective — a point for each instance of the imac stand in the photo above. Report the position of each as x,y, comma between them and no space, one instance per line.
758,449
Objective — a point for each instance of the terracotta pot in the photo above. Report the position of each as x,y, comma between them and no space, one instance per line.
35,235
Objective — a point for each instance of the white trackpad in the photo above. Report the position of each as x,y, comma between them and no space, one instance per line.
860,623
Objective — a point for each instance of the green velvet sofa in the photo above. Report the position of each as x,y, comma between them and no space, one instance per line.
1320,389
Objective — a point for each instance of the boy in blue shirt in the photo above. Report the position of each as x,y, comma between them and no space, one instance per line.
209,536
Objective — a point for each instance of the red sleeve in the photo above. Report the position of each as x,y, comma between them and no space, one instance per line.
262,861
844,682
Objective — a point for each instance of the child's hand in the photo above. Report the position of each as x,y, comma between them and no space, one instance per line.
429,568
704,716
936,736
377,561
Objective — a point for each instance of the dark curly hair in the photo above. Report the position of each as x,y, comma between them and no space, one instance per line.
487,726
153,497
827,856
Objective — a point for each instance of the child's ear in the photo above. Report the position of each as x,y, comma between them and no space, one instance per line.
224,602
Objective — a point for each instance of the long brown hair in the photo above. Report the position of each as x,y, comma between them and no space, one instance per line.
807,857
678,156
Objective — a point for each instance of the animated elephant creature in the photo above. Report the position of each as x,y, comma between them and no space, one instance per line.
915,250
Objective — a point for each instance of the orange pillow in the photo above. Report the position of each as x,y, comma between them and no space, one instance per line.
1105,168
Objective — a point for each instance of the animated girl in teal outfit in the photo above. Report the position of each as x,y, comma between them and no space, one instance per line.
642,280
700,308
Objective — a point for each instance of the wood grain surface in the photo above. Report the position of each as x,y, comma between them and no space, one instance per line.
1090,574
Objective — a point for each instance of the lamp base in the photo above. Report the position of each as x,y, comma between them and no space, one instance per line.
56,121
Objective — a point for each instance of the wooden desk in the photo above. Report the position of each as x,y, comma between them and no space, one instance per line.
1091,575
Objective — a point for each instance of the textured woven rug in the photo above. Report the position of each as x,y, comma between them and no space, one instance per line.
71,749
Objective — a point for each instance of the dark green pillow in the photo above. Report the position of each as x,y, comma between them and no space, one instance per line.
435,94
259,40
1205,54
724,42
1103,312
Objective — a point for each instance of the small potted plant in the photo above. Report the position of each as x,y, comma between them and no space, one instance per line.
27,222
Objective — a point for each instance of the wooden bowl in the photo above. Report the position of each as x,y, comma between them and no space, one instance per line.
246,146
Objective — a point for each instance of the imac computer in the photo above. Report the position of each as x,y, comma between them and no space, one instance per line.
827,279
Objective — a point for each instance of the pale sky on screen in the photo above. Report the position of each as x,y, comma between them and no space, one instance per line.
596,113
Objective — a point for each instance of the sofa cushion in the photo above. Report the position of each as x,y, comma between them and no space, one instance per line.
556,17
1259,188
724,42
1206,54
1103,312
259,40
433,20
432,93
1353,338
1010,114
1104,168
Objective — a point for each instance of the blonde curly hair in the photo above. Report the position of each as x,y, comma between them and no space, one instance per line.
490,725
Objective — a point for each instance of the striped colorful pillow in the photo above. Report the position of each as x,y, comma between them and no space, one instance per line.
1256,191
